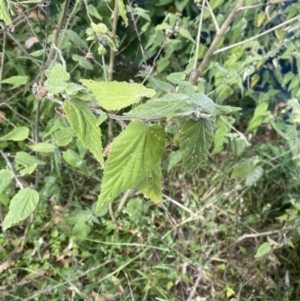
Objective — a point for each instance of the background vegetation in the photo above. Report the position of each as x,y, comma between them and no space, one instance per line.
227,231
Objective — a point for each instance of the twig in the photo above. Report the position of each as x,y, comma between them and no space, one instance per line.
212,15
23,49
2,58
200,273
123,201
113,35
257,36
52,49
19,184
199,34
178,204
197,73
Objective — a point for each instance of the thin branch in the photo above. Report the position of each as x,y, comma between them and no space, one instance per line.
23,49
112,52
199,34
52,49
178,204
2,58
212,15
197,73
19,184
257,36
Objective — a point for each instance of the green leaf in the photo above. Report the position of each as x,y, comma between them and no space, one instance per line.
5,179
57,73
223,110
17,134
4,15
55,86
63,137
133,155
92,10
42,147
21,206
254,176
259,114
117,95
176,77
263,249
85,63
174,158
122,11
150,186
83,122
195,140
186,34
243,168
73,159
76,39
15,80
204,103
28,170
134,208
167,107
223,128
26,159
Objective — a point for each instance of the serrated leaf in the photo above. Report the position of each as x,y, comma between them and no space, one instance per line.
254,176
25,159
83,122
42,147
186,34
63,137
109,97
166,107
150,186
203,102
4,15
133,155
122,11
195,140
15,80
5,179
17,134
21,206
28,170
73,89
263,249
57,73
55,86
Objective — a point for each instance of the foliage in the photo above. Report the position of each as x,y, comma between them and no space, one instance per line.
136,101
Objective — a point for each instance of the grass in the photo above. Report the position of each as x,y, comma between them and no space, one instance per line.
159,252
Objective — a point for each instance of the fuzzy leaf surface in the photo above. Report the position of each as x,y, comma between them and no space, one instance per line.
117,95
17,134
133,155
165,107
83,122
5,179
150,186
21,206
195,140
